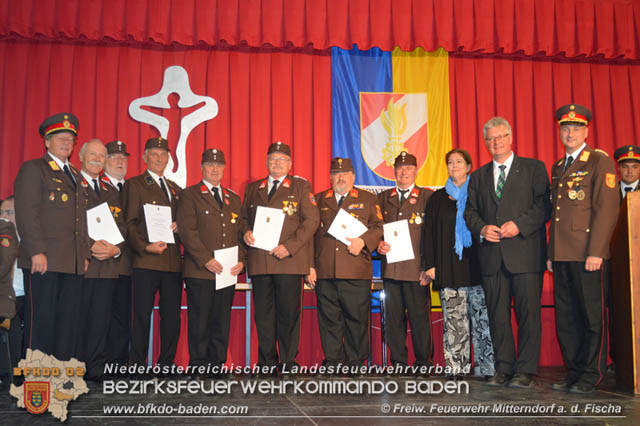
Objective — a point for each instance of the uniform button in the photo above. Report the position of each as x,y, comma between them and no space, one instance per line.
223,225
558,208
336,247
559,195
588,229
557,219
560,185
221,214
223,245
400,214
224,235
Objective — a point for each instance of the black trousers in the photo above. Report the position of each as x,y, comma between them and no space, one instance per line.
412,298
15,339
209,320
581,321
343,320
120,325
607,280
52,314
97,298
526,291
277,299
145,284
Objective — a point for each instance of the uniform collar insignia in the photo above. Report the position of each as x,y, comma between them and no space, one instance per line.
263,184
149,180
286,183
415,192
394,192
54,165
584,156
203,188
354,193
225,192
329,194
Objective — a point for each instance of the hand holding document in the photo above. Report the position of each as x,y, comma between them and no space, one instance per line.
228,258
158,220
398,237
267,228
344,225
102,226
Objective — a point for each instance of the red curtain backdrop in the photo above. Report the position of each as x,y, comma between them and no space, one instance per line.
610,28
94,58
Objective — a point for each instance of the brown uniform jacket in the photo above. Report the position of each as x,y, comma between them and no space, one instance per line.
413,211
51,216
124,264
8,254
331,257
295,198
585,207
205,227
137,192
109,268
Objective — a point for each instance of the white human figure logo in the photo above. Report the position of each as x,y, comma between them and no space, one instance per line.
176,80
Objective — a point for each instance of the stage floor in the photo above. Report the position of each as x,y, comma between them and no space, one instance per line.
499,406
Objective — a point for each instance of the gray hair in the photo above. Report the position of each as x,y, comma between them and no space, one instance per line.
87,143
495,122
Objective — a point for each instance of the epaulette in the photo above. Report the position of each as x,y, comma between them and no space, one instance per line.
601,151
300,177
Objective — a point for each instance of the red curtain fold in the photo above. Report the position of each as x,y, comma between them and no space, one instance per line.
571,28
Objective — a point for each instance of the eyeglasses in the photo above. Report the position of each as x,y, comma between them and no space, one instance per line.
278,160
8,212
497,137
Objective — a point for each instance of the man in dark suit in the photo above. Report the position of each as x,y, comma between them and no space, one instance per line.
344,273
403,289
585,210
507,208
276,275
54,245
156,265
208,220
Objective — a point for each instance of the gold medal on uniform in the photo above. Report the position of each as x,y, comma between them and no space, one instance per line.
64,198
418,220
52,196
572,195
413,216
233,217
580,195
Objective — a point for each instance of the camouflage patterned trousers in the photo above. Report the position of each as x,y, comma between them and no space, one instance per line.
458,306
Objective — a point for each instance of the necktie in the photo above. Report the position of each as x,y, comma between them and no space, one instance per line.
627,189
341,200
216,195
568,162
96,187
403,195
273,189
164,189
501,180
68,173
119,186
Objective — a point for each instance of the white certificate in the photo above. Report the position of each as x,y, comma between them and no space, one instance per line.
228,258
102,226
158,219
398,237
267,228
344,225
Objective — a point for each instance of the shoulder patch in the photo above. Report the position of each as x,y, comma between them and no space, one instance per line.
610,180
5,241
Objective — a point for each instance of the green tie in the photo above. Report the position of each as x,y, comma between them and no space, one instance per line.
501,180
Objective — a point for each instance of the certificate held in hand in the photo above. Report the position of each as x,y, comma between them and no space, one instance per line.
267,228
344,225
102,226
397,235
228,258
158,220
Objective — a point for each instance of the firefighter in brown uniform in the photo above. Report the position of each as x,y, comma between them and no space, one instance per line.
585,210
402,286
8,255
115,170
54,247
102,273
156,266
342,275
208,218
276,275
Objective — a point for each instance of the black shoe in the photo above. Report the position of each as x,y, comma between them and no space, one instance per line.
582,388
521,381
498,379
561,386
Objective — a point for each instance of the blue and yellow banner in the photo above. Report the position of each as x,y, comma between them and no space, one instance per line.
388,102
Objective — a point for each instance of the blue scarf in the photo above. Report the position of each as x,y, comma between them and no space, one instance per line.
463,236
